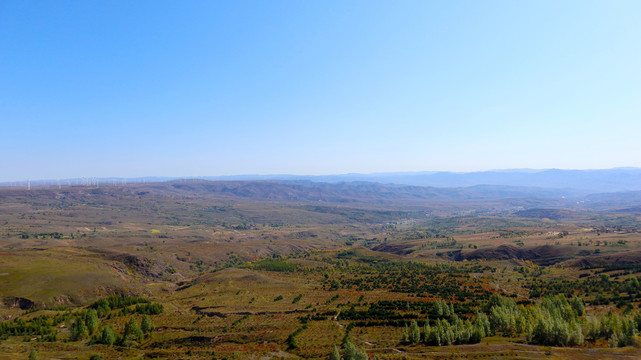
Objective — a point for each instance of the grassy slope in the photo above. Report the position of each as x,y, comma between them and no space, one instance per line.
215,311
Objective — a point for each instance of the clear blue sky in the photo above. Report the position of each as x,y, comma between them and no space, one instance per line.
185,88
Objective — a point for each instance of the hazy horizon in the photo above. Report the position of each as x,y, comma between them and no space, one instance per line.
88,176
563,181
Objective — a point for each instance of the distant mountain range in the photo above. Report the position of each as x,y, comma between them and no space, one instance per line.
570,181
587,181
366,194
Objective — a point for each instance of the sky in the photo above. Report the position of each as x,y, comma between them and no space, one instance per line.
205,88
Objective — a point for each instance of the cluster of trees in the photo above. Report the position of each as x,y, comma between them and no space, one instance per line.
556,321
383,310
87,325
447,243
350,352
105,305
618,330
456,332
51,235
448,332
603,289
133,332
39,325
441,308
149,309
444,281
436,309
84,325
278,265
375,313
143,306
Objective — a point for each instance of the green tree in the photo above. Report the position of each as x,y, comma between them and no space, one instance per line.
351,352
334,355
132,330
146,325
447,335
108,336
439,308
79,329
482,323
405,337
426,330
415,332
291,342
576,335
592,328
503,317
91,320
578,305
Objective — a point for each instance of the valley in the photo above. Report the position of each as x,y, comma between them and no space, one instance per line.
282,269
